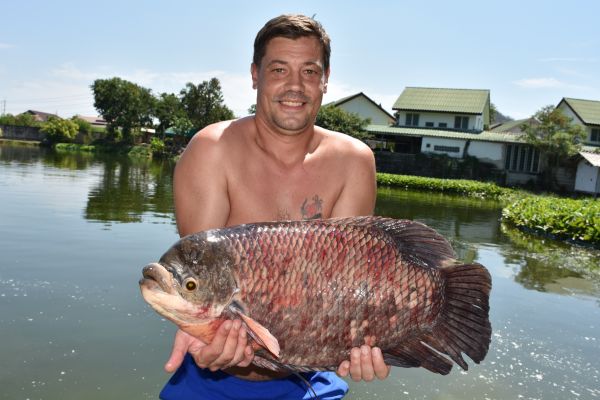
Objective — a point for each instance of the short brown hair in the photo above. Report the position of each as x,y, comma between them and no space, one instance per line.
291,26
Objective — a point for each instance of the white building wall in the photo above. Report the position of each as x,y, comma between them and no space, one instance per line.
451,147
366,109
569,112
489,152
475,121
587,179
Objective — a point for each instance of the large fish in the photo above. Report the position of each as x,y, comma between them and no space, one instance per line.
309,291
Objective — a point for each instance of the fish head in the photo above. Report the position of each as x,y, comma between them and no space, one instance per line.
192,283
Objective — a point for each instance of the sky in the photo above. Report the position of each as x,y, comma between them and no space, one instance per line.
529,54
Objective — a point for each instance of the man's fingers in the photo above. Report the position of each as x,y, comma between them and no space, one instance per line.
355,370
212,351
381,370
344,369
228,350
366,364
180,347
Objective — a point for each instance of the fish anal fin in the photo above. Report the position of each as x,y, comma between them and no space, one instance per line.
414,353
261,335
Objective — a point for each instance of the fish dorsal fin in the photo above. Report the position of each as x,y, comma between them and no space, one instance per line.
261,335
418,242
415,241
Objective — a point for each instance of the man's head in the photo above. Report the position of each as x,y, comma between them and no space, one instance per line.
291,27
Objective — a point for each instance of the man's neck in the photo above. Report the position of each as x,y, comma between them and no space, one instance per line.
287,150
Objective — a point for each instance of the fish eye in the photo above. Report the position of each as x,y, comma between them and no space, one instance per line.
190,284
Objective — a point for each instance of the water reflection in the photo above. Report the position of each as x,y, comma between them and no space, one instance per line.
552,266
129,189
69,295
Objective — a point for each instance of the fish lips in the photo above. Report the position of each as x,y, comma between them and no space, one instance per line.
157,278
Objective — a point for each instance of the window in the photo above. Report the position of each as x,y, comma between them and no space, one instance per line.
595,136
522,158
429,124
461,122
447,149
442,125
412,119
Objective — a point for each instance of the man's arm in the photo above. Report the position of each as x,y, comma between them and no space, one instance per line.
360,186
201,203
200,185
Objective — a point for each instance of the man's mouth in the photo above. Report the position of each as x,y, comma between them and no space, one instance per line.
288,103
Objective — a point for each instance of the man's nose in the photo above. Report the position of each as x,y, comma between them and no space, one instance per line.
295,81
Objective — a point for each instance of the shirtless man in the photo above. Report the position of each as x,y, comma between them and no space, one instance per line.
276,165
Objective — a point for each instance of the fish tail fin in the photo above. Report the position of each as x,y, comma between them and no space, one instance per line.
462,327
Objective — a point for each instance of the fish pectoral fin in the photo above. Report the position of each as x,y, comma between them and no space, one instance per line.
261,335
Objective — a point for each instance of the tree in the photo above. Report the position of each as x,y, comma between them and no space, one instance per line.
168,109
60,130
124,105
555,135
204,104
337,119
252,109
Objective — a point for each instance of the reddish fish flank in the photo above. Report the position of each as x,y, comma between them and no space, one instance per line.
311,290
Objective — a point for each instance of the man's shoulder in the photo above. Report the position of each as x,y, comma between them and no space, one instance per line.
343,144
220,135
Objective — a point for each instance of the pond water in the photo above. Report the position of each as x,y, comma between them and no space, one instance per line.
75,231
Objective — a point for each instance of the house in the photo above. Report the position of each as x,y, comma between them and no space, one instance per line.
466,110
40,116
93,121
362,105
587,114
456,123
514,126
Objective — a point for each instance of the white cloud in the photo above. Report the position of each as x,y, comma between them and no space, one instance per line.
569,59
6,45
537,83
548,83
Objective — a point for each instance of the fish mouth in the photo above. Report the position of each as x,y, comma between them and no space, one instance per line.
157,278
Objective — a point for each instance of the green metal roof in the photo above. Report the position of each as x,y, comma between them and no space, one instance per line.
587,110
513,126
468,101
486,136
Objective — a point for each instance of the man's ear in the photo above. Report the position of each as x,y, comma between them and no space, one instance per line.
326,80
254,73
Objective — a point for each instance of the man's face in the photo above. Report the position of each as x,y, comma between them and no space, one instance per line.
290,84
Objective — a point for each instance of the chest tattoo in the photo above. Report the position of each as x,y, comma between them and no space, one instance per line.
312,209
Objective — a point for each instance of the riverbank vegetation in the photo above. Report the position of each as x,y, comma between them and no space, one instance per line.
576,220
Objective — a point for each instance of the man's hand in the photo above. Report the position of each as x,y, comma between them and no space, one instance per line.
229,348
365,363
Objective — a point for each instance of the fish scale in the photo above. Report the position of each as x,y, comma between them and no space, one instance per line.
309,291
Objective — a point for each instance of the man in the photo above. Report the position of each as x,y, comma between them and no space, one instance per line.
276,165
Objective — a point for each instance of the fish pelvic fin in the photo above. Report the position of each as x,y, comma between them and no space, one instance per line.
463,325
261,335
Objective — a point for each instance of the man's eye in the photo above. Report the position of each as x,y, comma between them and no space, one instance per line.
278,70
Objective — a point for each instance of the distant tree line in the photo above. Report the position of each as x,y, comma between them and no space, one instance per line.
128,107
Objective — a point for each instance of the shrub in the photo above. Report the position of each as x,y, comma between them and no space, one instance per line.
561,218
457,186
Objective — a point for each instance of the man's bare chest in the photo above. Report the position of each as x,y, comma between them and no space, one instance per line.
266,196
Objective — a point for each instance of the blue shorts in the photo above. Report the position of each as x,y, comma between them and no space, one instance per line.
191,382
